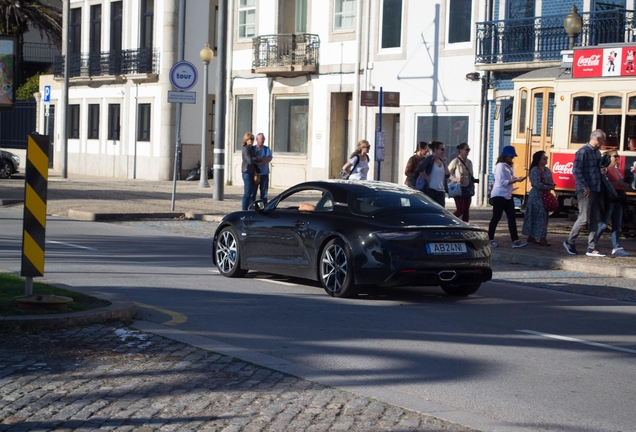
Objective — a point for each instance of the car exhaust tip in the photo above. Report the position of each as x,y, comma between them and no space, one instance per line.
447,275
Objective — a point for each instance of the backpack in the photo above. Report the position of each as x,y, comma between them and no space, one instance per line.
420,182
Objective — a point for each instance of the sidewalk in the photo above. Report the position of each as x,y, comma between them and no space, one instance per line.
99,198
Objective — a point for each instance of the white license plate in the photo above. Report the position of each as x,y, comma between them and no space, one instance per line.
445,248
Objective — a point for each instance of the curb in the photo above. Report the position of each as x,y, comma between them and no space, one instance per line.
577,265
117,311
7,202
90,216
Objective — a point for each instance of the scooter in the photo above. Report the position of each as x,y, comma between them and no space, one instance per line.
195,173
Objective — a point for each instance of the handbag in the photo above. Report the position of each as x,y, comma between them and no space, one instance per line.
550,201
344,174
455,189
257,175
468,191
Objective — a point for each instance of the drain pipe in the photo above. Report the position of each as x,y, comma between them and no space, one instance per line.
356,84
366,62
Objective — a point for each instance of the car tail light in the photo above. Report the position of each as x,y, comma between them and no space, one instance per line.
398,235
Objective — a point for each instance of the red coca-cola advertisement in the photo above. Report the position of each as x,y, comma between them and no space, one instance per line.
562,164
604,62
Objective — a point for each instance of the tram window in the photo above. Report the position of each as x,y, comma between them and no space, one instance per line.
537,114
631,106
522,112
582,119
611,103
611,125
630,130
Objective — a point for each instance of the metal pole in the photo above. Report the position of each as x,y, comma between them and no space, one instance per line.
67,61
381,102
176,175
203,182
28,285
220,106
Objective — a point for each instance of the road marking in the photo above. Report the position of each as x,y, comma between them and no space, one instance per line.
71,245
276,282
569,339
177,318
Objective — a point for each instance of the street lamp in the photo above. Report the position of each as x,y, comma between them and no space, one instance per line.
205,55
573,24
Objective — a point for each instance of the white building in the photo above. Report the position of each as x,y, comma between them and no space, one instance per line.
296,70
302,91
119,121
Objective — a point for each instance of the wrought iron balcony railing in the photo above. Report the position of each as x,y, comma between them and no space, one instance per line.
106,63
286,54
39,52
543,38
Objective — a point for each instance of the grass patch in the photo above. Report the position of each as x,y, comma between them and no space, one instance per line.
12,286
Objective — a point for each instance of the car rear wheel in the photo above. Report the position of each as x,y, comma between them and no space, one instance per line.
6,170
226,252
461,290
336,271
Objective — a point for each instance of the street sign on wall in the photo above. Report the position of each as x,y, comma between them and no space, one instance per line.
183,75
372,98
369,98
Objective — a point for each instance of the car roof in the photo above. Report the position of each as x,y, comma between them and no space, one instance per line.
340,189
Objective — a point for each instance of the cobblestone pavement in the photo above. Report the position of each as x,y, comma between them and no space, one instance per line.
110,377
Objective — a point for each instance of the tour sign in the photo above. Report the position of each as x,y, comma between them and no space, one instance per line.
183,75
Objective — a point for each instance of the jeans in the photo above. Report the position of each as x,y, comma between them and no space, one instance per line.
438,196
500,205
463,207
614,214
264,187
588,215
249,189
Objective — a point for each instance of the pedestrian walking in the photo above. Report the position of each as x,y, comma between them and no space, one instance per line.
535,218
614,208
434,171
358,164
461,171
414,161
264,154
501,197
587,174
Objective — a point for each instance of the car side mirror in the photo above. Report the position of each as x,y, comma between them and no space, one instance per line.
258,206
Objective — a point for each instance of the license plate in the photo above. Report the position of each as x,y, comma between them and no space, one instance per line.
445,248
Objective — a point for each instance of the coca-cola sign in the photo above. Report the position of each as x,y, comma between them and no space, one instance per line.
562,166
604,62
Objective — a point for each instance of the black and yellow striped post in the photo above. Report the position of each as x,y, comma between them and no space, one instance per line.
34,221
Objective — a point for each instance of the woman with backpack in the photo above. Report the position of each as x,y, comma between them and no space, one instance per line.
358,165
415,161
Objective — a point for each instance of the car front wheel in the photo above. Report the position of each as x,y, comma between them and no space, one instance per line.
461,290
226,254
336,270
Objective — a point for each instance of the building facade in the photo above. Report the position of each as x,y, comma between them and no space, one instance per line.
119,122
299,68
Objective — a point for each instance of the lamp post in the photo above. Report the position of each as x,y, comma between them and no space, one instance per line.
573,25
205,55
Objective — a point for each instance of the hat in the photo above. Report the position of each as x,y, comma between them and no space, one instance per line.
509,151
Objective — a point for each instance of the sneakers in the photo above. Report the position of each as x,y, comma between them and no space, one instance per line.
619,252
571,249
594,253
494,244
519,244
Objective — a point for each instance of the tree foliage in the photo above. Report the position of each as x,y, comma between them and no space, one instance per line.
26,90
18,16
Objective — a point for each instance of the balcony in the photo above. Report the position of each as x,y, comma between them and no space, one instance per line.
39,52
286,55
109,63
534,42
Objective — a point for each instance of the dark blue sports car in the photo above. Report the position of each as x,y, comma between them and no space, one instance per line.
347,234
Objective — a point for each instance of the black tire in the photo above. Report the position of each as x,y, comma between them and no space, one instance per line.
226,254
463,290
6,170
336,270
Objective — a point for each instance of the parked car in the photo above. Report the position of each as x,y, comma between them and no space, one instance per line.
347,234
11,164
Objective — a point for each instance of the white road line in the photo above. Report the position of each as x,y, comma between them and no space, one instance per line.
569,339
71,245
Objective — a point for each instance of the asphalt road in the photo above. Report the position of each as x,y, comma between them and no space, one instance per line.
538,359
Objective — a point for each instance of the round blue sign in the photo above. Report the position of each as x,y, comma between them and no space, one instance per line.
183,75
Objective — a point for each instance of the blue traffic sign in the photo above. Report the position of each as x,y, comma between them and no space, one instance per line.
47,93
183,75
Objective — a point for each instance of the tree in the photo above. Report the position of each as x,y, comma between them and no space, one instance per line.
19,16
